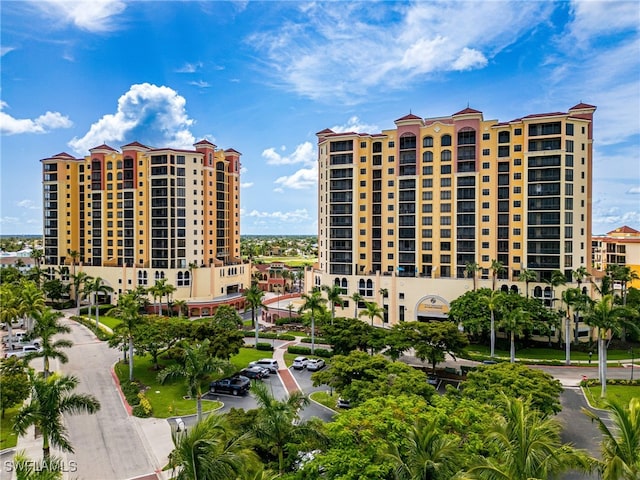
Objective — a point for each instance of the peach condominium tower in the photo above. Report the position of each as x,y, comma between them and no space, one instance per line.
403,213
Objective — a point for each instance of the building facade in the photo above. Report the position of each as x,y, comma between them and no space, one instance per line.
618,247
141,214
404,211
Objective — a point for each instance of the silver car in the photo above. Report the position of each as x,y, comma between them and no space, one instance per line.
315,364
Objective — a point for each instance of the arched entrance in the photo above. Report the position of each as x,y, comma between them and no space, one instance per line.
432,307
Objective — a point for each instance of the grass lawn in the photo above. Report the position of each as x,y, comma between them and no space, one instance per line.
326,399
550,354
246,355
289,261
110,322
167,400
8,438
621,394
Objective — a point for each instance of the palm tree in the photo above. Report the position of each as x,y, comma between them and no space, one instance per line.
557,279
430,454
277,421
192,268
372,310
607,317
27,469
46,327
313,303
168,290
128,310
497,267
471,269
527,446
80,282
515,322
10,310
527,276
493,301
334,297
95,287
37,254
31,302
211,450
580,274
570,297
253,296
74,254
357,298
621,444
182,306
198,364
51,398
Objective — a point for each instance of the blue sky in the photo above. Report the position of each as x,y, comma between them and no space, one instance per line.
264,77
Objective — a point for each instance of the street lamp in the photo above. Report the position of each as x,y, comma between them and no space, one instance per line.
632,359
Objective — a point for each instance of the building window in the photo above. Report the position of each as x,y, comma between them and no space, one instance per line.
486,152
427,141
485,165
485,178
485,218
517,131
485,191
445,140
486,136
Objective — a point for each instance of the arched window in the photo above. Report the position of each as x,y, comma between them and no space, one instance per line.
504,288
369,288
445,156
361,287
427,157
427,141
159,275
445,140
514,289
109,165
142,277
179,279
119,164
336,282
119,175
109,177
537,291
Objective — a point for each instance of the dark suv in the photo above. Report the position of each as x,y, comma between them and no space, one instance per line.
238,385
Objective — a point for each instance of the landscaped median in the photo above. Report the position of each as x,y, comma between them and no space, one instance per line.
167,400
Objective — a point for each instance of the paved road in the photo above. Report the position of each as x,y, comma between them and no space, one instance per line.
107,444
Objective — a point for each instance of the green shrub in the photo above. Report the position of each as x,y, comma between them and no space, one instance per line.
286,336
91,325
130,390
297,349
322,352
144,408
264,346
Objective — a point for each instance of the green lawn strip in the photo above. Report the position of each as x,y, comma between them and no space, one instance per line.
110,322
246,355
8,439
544,353
325,398
289,261
620,394
167,400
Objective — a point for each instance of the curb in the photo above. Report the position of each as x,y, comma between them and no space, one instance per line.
125,404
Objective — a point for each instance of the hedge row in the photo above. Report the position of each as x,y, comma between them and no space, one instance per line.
136,399
299,350
91,325
270,336
264,346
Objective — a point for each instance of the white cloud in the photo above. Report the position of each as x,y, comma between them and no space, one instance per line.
355,125
383,45
296,216
304,153
246,185
304,178
597,19
29,204
200,84
634,191
4,50
146,113
189,67
89,15
42,124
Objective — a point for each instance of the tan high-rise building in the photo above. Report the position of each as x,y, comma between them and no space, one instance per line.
140,214
402,213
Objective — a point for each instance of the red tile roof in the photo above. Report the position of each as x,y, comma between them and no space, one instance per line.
63,155
551,114
624,229
467,110
232,150
204,141
326,130
581,106
135,144
104,146
411,116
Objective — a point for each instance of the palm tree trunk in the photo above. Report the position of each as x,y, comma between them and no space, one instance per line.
313,333
567,341
602,357
255,322
493,334
199,407
97,317
45,361
512,351
46,450
130,359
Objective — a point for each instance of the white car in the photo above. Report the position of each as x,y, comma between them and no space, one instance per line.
18,323
300,362
315,364
268,363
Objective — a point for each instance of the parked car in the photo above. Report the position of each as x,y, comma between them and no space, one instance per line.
300,362
315,364
254,373
268,363
236,385
23,351
343,403
17,323
433,380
